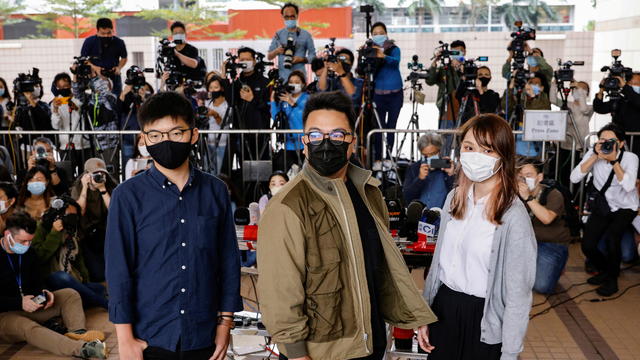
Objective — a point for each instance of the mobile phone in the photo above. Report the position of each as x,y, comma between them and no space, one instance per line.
440,163
40,299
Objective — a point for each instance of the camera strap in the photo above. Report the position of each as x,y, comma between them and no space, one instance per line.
17,273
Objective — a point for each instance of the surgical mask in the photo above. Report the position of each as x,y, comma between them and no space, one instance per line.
484,81
37,91
3,207
249,66
379,39
579,93
536,89
170,154
290,24
297,88
327,158
478,167
2,92
531,183
532,61
143,151
179,38
274,190
147,94
16,247
636,88
64,92
459,58
36,187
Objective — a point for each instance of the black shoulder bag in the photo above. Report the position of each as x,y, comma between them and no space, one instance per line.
596,201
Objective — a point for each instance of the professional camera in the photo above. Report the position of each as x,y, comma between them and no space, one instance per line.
611,84
444,53
82,67
135,77
168,62
565,72
232,66
191,87
22,84
417,70
261,65
99,177
470,71
368,51
41,156
289,51
330,51
520,37
279,86
608,146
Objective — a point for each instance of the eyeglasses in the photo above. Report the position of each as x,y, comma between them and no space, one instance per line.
156,136
337,137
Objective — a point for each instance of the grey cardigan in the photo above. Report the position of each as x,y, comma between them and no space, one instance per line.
511,277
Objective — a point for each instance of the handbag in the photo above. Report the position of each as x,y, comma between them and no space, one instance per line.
596,201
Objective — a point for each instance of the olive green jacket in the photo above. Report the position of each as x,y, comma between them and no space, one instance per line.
47,245
312,285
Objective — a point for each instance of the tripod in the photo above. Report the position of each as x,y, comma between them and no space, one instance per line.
414,123
471,93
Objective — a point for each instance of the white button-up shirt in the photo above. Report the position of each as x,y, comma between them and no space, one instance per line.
466,250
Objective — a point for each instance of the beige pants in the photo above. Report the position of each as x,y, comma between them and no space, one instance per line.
18,326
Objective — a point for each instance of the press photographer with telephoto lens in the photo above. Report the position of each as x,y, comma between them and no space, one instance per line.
612,202
330,203
445,72
481,276
189,62
337,75
108,52
292,45
42,155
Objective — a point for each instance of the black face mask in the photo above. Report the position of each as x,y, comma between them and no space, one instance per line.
105,41
70,222
484,81
170,154
64,92
328,158
216,94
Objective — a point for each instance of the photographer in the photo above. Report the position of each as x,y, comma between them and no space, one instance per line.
252,103
25,306
488,100
292,45
66,116
612,200
217,113
288,107
92,191
190,63
424,183
536,63
57,243
627,108
36,115
436,75
42,155
388,95
135,91
36,192
342,78
317,67
140,161
104,116
110,51
8,200
547,208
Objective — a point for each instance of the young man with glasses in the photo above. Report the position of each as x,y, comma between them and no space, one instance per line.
331,253
173,265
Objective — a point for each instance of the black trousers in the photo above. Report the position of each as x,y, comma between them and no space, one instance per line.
156,353
614,227
456,335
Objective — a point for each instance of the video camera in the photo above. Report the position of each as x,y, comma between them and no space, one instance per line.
24,83
168,62
261,65
611,84
232,65
518,46
279,86
135,77
289,51
417,70
444,54
565,72
470,71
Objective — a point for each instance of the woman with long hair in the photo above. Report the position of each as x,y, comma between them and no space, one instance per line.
36,192
482,274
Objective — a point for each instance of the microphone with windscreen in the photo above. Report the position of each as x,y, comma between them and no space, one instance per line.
244,231
241,216
428,230
414,213
254,213
395,216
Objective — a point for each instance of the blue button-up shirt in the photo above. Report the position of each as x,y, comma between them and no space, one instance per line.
172,259
304,48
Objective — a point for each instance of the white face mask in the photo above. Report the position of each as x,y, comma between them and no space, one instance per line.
478,167
531,183
297,88
249,66
274,190
143,151
37,91
3,207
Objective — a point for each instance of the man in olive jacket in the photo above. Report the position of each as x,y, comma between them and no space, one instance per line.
331,276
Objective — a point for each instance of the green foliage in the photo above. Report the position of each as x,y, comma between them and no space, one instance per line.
196,19
420,6
77,10
529,11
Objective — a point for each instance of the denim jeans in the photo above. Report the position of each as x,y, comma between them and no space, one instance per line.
388,107
92,294
628,247
549,265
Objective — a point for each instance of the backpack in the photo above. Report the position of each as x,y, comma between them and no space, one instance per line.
571,217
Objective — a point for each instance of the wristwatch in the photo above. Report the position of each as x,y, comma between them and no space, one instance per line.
614,162
103,192
530,198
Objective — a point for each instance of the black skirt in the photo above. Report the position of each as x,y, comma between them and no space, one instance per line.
456,335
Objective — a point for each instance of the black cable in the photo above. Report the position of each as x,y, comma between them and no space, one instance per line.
558,293
560,303
617,296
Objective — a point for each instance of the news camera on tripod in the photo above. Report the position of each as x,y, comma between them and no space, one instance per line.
622,88
445,72
473,93
29,112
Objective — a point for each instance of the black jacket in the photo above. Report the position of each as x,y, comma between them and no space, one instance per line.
627,114
10,299
489,102
256,113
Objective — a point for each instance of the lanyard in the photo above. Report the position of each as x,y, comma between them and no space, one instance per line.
18,273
